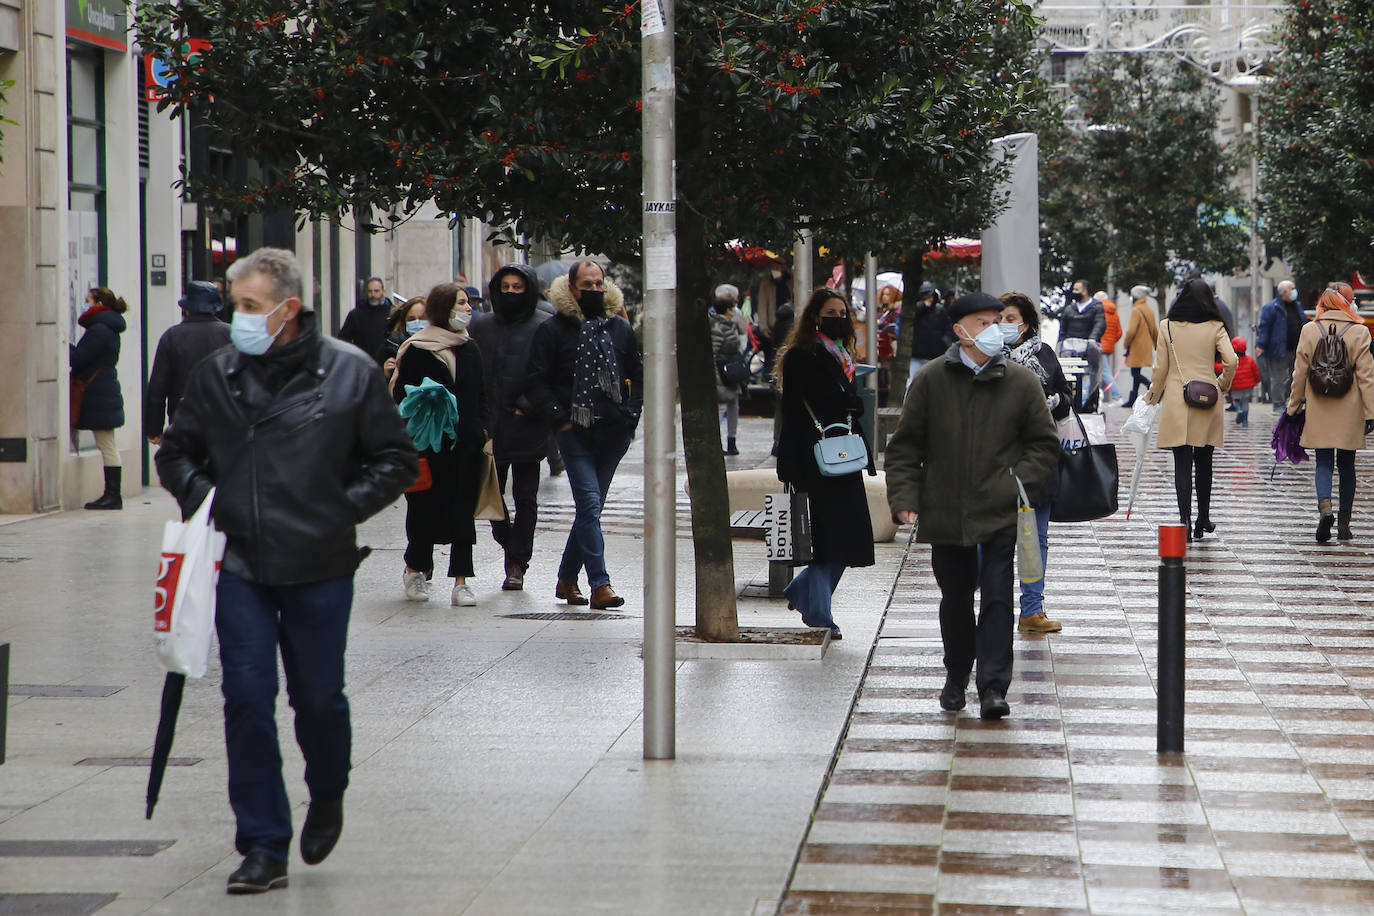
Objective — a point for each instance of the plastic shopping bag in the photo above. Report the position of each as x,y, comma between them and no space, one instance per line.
1081,430
1028,563
1142,419
184,596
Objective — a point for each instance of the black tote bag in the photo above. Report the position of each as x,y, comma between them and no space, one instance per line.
1087,482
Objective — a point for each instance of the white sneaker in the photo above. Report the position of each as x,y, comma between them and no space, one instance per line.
463,596
416,588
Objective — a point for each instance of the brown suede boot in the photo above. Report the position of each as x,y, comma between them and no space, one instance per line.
1343,532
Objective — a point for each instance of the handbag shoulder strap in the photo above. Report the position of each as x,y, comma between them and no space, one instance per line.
848,423
1169,332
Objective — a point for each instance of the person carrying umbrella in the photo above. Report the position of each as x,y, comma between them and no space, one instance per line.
1336,423
300,438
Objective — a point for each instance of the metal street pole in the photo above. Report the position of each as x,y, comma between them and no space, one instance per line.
803,266
660,379
871,314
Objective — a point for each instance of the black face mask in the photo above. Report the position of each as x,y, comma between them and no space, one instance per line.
505,301
593,303
835,327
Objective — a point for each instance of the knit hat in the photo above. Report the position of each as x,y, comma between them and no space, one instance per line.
1238,344
202,297
972,303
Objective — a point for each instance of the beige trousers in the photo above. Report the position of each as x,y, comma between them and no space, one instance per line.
105,441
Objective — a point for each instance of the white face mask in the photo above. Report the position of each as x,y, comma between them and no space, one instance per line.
988,341
460,320
1011,333
249,332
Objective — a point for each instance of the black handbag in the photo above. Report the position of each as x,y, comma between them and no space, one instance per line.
1198,394
1088,482
736,371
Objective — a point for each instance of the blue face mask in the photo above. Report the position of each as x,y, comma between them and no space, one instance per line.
1011,333
249,332
989,340
414,327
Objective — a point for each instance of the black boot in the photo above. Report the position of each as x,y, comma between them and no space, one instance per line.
731,448
1343,532
110,499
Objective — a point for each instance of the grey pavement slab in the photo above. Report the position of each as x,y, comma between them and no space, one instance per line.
497,761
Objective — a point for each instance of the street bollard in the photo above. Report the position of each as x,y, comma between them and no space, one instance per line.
4,694
1172,608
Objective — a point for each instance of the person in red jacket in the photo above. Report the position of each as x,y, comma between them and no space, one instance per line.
1243,385
1110,336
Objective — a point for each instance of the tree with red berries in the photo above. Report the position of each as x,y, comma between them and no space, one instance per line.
868,121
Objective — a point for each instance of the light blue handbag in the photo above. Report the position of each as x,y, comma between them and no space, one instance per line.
837,456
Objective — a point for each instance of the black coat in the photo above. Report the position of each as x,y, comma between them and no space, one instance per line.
443,513
1058,384
553,364
303,442
506,336
1088,324
932,331
365,326
181,347
841,530
95,356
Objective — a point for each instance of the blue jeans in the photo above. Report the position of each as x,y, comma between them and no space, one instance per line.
810,592
310,624
1033,593
916,364
1343,459
591,459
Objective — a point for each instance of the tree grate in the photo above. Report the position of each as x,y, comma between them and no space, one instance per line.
565,615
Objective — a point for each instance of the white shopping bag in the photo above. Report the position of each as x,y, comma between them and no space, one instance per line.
1081,430
184,596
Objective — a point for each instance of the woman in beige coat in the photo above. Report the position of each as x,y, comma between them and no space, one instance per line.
1141,338
1335,426
1191,336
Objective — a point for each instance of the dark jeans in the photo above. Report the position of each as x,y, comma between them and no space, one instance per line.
517,539
985,639
310,624
1138,381
591,457
1279,370
1329,459
419,556
811,592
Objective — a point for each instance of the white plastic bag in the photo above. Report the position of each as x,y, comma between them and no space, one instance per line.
1142,419
184,596
1028,563
1073,428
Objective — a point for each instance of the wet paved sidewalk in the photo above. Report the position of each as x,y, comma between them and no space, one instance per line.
1064,807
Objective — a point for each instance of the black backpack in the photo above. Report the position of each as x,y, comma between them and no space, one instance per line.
1331,373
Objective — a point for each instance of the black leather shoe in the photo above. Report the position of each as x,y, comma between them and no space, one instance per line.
994,705
323,824
952,696
258,874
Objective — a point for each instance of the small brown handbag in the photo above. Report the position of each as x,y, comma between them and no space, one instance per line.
77,396
1199,394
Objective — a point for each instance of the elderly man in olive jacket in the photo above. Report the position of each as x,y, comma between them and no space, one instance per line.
972,424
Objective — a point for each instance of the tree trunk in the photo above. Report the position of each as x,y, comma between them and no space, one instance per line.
717,618
912,275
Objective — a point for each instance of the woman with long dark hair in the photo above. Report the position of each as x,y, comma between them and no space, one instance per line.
442,513
93,359
1021,334
1190,337
816,377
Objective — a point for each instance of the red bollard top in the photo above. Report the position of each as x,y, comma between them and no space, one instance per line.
1173,542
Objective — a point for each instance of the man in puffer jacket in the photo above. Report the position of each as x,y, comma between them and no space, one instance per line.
520,441
586,381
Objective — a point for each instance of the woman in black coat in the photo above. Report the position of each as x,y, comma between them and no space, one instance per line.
406,319
1021,332
443,512
816,376
93,360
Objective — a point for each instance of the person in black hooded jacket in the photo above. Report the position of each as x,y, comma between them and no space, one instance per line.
93,359
181,346
520,441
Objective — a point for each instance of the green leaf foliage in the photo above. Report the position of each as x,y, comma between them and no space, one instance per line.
869,119
1140,185
1316,151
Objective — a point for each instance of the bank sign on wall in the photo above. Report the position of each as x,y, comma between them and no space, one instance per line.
98,22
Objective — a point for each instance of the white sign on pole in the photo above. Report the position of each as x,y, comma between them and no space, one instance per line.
651,18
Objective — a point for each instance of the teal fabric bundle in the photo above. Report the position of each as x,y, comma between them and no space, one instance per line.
431,414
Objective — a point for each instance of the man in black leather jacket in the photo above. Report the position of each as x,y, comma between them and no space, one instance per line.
520,441
302,442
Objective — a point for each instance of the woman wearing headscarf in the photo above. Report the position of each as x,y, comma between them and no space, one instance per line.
1141,338
816,376
93,359
1336,426
1191,335
442,513
1020,326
